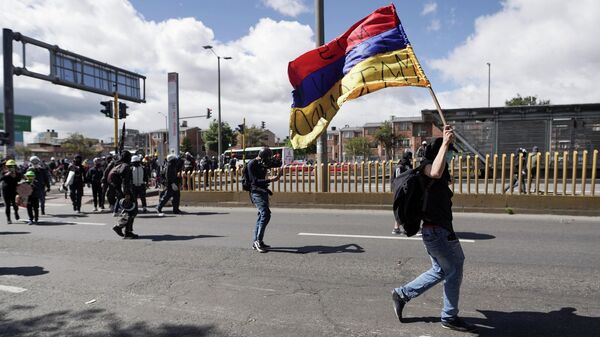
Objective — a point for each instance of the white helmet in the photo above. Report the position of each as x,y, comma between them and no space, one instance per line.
171,157
34,160
53,159
135,159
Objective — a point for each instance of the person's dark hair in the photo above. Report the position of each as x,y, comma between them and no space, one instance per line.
125,156
433,148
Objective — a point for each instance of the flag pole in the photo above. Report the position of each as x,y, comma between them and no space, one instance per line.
437,105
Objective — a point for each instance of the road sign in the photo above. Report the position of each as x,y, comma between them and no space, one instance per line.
22,122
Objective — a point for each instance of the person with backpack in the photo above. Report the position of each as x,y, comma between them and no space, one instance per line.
8,181
108,189
140,180
94,178
120,178
43,180
33,200
75,182
404,165
256,181
171,185
439,238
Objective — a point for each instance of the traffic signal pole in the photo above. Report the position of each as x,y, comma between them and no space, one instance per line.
116,118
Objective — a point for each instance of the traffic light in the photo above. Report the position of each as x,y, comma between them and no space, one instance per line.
262,125
240,128
208,111
3,138
123,111
108,109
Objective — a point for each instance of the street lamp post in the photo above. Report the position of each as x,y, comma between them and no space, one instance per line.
489,81
219,141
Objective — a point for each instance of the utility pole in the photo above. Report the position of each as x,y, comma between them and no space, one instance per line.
322,140
9,98
116,117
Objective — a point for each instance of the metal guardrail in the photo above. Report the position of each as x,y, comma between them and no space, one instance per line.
500,174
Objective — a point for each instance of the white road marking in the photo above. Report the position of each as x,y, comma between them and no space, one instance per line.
373,237
11,289
66,222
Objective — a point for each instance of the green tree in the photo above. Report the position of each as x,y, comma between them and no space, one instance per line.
528,100
302,153
358,146
211,135
79,144
22,151
255,137
385,137
186,145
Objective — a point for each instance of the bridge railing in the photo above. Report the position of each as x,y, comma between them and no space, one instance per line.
557,173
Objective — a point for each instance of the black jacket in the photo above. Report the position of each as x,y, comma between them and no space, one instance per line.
258,175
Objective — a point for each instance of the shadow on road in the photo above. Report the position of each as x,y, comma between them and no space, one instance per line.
168,237
349,248
474,236
72,215
558,323
9,233
23,271
91,322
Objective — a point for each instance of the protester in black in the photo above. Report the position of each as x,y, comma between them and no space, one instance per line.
121,179
108,189
75,181
172,185
94,178
139,180
42,176
440,240
8,181
404,165
33,200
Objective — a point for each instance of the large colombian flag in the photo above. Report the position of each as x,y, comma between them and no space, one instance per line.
372,55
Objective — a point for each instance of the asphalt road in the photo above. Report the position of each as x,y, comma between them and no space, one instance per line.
196,275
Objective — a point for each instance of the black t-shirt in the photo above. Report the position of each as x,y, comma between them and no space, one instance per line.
438,209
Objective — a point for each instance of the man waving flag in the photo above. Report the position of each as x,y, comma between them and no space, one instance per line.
373,54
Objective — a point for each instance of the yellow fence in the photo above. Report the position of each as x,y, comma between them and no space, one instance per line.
547,173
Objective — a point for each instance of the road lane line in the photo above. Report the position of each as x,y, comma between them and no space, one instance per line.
11,289
372,237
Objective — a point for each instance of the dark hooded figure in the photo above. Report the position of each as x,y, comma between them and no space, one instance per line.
75,182
126,204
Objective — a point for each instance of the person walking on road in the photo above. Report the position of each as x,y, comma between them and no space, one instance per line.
75,181
441,242
94,178
108,191
42,176
140,180
121,179
33,200
171,185
259,194
8,181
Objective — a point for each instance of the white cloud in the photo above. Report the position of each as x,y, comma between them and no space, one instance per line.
434,25
535,47
429,8
254,84
291,8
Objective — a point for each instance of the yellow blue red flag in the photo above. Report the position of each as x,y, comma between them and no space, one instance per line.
373,54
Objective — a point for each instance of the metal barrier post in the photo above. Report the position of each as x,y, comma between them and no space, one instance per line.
476,172
565,159
556,173
546,172
495,166
594,168
460,189
452,172
362,175
583,172
468,174
574,174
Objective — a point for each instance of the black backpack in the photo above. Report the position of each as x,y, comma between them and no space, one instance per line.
410,194
246,182
115,176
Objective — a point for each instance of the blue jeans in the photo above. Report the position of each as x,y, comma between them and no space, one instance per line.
261,201
447,259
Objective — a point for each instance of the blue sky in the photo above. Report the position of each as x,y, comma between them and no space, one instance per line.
231,20
536,47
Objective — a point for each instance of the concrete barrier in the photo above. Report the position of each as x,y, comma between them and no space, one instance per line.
461,202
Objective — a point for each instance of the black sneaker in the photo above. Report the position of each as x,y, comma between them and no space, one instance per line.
118,230
399,304
130,236
259,248
264,245
459,324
